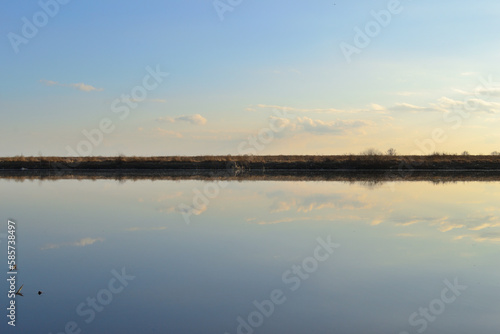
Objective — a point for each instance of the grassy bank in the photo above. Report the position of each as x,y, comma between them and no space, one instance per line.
252,163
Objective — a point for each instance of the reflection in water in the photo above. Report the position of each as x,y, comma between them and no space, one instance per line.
413,257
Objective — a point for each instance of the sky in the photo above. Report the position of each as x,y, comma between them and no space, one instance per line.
207,77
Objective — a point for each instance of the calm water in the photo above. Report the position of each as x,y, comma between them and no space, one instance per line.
256,257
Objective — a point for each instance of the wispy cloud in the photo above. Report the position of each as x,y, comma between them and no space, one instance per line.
402,107
80,243
306,124
168,133
446,104
305,110
135,229
193,119
80,86
484,237
409,223
483,226
316,202
446,226
192,210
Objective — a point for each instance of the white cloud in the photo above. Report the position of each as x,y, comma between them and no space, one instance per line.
189,209
314,110
483,226
377,107
80,243
193,119
470,105
307,204
80,86
485,237
409,107
468,73
306,124
494,92
169,133
86,88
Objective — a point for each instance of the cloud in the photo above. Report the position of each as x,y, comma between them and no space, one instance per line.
487,237
314,110
80,86
448,226
446,104
402,107
86,88
193,119
80,243
483,226
317,126
495,92
377,107
308,204
190,209
134,229
484,237
409,223
168,133
481,90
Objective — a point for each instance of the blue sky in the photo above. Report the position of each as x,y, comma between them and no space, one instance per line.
431,68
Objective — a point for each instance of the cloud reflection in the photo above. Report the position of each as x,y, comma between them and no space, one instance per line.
80,243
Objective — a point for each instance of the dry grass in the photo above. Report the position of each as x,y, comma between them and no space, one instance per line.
370,160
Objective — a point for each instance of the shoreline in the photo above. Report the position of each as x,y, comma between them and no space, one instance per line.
306,164
363,176
436,168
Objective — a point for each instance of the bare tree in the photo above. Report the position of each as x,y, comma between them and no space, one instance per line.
371,152
391,151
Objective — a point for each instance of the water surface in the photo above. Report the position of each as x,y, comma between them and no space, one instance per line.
212,268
